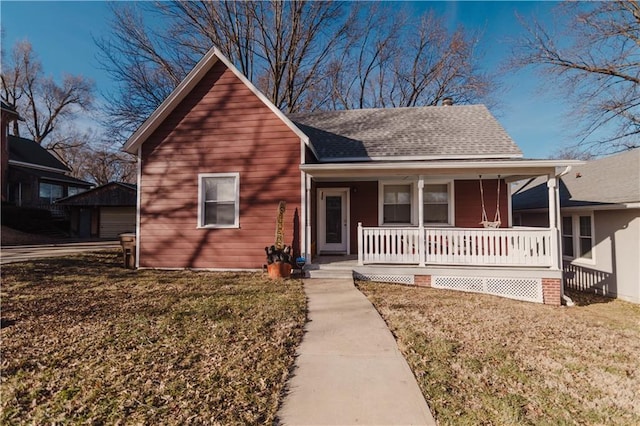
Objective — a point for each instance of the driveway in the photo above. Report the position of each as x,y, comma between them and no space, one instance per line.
13,254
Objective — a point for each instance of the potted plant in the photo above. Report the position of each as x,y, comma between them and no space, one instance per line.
279,255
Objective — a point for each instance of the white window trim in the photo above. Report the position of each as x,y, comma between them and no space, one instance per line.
451,202
414,202
201,177
575,238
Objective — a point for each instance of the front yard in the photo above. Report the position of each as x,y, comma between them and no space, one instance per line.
485,360
86,341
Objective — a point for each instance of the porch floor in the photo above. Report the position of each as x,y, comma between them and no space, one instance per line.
350,263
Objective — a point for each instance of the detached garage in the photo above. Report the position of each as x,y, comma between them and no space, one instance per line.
103,212
116,220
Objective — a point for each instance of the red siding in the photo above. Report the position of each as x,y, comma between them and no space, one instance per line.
468,205
221,127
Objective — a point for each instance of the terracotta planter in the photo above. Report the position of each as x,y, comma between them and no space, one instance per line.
279,270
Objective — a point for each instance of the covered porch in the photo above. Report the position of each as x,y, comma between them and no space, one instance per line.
428,214
422,223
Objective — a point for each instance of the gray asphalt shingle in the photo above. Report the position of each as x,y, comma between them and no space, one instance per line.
613,179
421,132
609,180
31,152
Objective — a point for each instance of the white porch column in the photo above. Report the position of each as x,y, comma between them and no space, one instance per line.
421,239
307,218
360,245
553,222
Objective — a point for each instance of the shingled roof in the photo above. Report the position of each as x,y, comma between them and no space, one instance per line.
609,180
420,133
110,194
29,152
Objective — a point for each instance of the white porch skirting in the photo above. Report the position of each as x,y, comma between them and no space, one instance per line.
527,247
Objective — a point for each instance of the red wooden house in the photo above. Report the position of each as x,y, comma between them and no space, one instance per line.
397,193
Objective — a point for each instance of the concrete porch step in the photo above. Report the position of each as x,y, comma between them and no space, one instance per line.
330,273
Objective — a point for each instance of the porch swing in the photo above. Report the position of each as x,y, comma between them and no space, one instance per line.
496,219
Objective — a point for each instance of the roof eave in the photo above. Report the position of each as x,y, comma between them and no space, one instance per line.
521,168
443,164
329,160
171,102
39,167
603,206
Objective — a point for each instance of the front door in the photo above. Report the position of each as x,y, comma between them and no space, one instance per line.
333,220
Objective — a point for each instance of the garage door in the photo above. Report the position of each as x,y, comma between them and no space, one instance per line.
116,220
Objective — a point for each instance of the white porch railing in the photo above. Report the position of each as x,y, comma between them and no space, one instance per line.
456,246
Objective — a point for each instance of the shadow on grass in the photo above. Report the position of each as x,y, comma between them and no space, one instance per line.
584,298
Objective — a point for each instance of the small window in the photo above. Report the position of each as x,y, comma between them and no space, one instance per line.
219,200
49,192
436,203
397,204
577,237
585,237
567,236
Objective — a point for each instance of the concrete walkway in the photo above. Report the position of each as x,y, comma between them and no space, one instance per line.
349,369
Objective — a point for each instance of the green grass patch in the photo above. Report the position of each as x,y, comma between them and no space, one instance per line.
87,341
481,359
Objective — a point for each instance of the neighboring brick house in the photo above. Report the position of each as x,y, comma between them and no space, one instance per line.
402,192
36,178
600,226
8,114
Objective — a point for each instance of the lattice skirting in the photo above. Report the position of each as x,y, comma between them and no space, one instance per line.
527,289
384,278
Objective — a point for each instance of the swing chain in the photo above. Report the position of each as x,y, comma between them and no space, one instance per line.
496,219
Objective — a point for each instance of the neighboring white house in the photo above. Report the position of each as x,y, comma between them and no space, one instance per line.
600,208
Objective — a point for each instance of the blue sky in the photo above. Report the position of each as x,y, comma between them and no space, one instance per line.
62,35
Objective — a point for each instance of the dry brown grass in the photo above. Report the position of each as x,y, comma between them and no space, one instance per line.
86,341
486,360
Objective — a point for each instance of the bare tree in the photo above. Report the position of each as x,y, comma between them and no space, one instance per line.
281,46
394,60
107,165
357,75
571,153
49,109
41,101
302,55
295,39
93,159
598,69
437,64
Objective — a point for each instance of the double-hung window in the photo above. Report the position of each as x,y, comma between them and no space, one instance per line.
577,237
218,200
585,242
396,208
437,200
